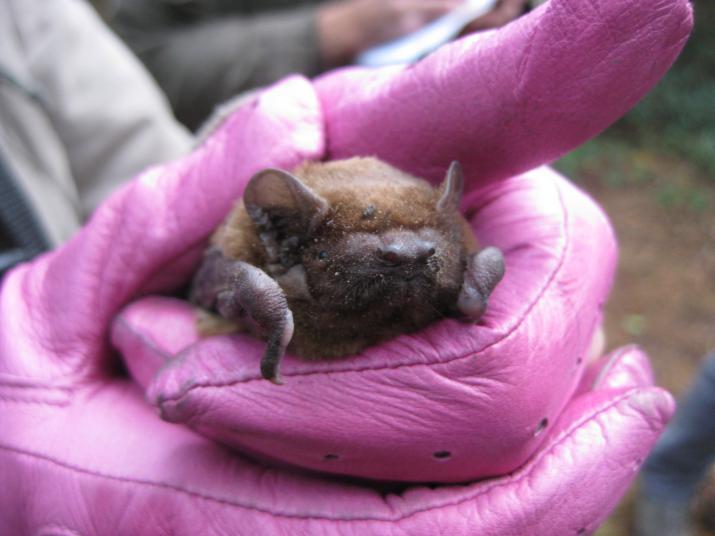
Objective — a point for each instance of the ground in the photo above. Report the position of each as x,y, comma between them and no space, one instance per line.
662,208
654,174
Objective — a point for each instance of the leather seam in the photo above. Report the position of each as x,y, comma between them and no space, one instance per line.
36,401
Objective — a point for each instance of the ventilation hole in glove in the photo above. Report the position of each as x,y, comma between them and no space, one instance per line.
579,361
581,532
542,426
330,457
442,455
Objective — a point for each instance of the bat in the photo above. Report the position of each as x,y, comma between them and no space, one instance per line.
337,256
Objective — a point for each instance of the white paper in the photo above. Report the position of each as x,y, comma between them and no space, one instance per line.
412,47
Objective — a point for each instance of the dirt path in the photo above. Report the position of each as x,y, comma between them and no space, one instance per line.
663,211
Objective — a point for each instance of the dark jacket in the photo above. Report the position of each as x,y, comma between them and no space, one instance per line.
79,116
203,52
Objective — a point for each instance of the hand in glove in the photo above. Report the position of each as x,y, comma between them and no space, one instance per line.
83,453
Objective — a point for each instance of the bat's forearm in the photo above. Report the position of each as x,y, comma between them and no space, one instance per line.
242,292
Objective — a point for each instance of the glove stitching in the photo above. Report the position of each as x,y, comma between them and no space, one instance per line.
19,389
146,340
57,529
40,401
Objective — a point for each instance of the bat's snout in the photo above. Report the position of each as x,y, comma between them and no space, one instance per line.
405,249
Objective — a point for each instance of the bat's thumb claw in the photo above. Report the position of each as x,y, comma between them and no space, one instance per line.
471,304
276,380
275,348
269,370
484,271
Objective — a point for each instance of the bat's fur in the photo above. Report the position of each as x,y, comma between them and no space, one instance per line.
348,299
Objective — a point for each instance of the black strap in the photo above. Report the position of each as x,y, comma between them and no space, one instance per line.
21,237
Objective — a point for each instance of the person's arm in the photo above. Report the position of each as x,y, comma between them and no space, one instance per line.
109,115
202,56
206,62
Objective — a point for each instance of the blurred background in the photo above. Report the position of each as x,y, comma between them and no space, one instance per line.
654,173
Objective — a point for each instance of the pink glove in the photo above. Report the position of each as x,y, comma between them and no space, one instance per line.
82,453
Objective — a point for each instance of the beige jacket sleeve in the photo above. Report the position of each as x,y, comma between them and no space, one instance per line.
79,114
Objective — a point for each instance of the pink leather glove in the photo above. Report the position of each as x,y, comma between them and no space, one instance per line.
81,452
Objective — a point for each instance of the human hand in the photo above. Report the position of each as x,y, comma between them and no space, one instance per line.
534,217
81,452
347,27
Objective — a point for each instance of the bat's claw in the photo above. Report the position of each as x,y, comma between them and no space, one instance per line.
276,380
484,271
275,348
269,370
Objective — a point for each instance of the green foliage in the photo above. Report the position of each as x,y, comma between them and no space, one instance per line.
665,146
635,325
604,158
612,162
678,116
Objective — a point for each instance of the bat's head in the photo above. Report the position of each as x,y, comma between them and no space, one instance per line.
365,234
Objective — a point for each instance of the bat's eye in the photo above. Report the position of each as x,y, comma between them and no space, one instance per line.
323,255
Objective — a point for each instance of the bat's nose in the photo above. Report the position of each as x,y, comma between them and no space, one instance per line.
406,251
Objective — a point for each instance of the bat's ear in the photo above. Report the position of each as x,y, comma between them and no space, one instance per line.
274,198
451,188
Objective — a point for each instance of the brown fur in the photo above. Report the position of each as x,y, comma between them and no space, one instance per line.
349,186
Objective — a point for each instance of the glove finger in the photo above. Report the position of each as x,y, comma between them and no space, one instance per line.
512,99
150,332
624,368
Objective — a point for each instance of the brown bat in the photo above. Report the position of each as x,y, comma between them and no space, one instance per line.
340,255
